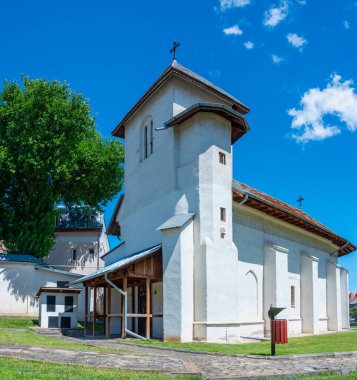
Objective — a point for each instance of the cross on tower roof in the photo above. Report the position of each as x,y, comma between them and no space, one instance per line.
174,48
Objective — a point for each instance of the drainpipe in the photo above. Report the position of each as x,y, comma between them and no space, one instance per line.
125,319
340,248
243,201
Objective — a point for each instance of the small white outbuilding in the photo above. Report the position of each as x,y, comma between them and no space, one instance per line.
58,307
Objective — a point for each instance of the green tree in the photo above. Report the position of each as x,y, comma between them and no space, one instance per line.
50,153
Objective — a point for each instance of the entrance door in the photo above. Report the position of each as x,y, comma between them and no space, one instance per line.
141,309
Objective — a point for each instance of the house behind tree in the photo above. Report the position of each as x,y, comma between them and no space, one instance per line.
81,240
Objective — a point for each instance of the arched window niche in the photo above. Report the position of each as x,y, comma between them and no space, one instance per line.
147,138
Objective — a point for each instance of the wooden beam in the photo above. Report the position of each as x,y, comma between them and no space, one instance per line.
85,309
109,304
148,308
94,309
105,310
125,283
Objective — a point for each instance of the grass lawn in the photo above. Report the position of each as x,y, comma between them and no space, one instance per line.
341,341
30,337
18,322
328,376
14,369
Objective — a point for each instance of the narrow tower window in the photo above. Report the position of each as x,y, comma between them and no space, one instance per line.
74,254
222,158
292,296
222,214
151,137
145,142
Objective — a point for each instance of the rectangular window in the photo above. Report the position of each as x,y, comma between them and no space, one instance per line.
68,303
62,284
146,142
222,158
74,254
52,322
65,322
292,296
223,214
51,303
151,137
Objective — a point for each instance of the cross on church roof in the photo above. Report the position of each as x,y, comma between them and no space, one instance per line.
174,48
300,199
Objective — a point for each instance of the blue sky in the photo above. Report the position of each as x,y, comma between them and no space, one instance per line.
274,56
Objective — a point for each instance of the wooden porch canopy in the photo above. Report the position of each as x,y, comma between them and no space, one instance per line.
140,269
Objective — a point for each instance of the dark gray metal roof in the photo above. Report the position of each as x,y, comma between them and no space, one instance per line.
78,218
179,71
197,77
176,221
20,258
54,270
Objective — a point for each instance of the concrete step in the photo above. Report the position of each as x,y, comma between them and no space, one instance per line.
77,332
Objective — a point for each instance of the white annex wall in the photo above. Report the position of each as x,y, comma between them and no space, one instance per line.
19,283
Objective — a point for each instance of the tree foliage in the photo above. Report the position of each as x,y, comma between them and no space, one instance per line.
50,153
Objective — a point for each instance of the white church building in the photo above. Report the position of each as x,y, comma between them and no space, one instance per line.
204,256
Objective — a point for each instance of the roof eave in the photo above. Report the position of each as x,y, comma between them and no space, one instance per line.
345,247
238,121
119,130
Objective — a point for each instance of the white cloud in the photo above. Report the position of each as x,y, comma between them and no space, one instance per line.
346,24
249,45
337,98
228,4
275,15
296,41
276,59
234,30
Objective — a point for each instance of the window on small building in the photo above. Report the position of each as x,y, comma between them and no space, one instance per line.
68,304
51,303
91,251
65,322
292,296
53,322
222,158
222,214
62,284
74,254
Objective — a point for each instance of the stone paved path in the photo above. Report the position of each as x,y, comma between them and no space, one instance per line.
209,366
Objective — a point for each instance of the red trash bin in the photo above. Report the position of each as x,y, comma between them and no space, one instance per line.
279,331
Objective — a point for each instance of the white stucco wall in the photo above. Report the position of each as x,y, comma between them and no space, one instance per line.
229,280
59,309
82,241
308,258
19,283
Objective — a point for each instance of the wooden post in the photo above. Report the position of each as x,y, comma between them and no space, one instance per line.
105,310
125,283
109,303
85,309
94,309
148,307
